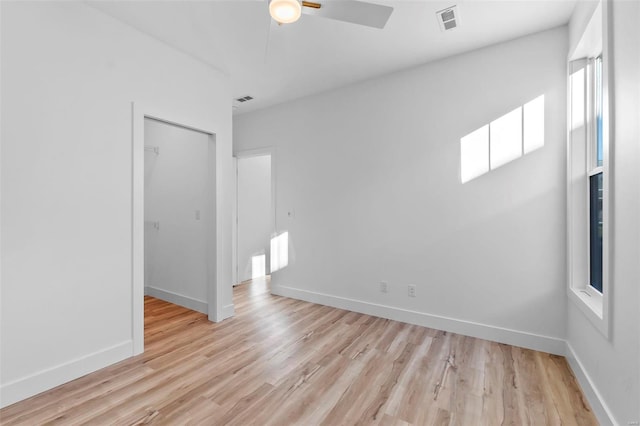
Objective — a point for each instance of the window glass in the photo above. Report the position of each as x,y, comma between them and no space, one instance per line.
598,101
595,231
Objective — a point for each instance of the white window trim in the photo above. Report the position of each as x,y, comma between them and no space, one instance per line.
593,304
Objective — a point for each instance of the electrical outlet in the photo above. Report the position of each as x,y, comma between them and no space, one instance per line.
412,291
384,287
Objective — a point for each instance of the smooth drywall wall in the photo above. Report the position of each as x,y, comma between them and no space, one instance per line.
175,210
579,20
69,75
254,212
371,174
611,365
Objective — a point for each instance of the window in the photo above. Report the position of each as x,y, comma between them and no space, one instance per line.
587,129
595,172
589,168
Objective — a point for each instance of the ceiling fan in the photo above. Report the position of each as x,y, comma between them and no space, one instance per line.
355,12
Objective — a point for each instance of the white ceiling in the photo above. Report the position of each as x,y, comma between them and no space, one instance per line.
317,54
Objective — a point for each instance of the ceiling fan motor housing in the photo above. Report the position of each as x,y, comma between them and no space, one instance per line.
285,11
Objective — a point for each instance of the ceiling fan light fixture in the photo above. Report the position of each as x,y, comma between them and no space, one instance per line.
285,11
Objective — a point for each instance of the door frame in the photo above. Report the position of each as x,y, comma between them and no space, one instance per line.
213,225
237,155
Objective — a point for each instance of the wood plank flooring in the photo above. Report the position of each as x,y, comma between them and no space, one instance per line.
281,361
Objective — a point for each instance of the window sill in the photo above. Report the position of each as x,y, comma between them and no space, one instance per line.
592,307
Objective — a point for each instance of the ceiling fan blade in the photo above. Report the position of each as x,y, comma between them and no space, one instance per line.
355,12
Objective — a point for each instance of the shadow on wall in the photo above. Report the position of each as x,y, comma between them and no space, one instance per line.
505,139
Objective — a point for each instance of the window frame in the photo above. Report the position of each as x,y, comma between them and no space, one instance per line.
593,304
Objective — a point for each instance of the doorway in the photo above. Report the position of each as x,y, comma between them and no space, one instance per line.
254,216
176,213
215,222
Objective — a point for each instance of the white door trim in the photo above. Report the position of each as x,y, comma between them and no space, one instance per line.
141,111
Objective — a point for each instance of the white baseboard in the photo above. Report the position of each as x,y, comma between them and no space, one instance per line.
536,342
177,299
41,381
599,407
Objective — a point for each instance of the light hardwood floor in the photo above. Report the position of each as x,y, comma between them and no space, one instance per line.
281,361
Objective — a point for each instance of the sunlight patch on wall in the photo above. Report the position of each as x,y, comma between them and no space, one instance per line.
577,99
474,154
279,251
534,125
258,266
505,143
505,139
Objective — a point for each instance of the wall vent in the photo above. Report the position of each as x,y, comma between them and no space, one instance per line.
244,99
448,18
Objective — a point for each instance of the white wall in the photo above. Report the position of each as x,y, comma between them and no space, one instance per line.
372,172
611,366
69,75
254,212
579,20
176,186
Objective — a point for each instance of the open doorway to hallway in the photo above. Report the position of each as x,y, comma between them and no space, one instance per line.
254,219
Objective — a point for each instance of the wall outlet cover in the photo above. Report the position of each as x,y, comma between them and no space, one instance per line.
412,291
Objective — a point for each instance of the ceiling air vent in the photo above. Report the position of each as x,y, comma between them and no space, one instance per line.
448,18
244,99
